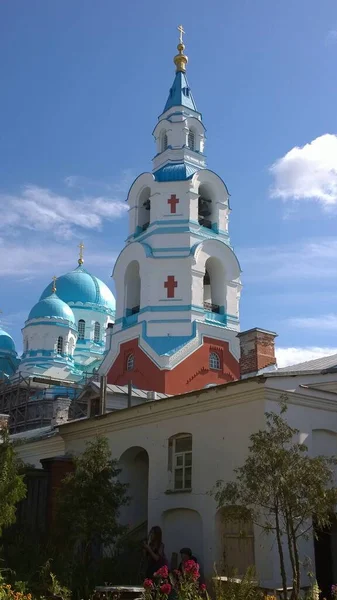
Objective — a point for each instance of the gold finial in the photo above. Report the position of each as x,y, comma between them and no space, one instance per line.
180,60
81,260
53,289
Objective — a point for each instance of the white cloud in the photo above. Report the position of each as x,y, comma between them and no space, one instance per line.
292,356
323,322
303,261
40,209
308,172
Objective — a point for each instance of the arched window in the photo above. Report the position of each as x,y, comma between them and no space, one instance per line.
180,461
97,332
81,329
26,346
60,344
214,286
144,209
205,206
132,289
214,361
130,362
164,142
191,140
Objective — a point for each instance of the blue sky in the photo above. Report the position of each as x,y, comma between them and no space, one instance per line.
82,85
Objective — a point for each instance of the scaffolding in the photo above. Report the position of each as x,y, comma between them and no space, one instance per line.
29,400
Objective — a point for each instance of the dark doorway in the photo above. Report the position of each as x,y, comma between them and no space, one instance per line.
323,560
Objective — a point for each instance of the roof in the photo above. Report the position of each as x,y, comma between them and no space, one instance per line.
123,389
80,287
180,93
175,172
6,341
52,307
325,363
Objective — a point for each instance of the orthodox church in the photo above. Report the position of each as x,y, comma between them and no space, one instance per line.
180,390
175,324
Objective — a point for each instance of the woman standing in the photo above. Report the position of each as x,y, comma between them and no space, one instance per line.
155,552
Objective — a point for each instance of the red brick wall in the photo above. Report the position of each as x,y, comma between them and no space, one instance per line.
257,350
191,374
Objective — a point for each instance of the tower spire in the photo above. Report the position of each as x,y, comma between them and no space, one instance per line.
53,289
81,259
180,60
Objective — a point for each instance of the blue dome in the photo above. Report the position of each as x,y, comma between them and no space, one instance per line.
6,342
79,286
52,307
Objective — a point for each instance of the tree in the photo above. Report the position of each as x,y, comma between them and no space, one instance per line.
12,486
89,501
282,490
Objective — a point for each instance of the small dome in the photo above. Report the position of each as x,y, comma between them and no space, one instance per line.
6,341
52,307
79,286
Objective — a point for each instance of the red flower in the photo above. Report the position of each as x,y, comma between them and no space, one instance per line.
148,584
165,588
190,566
203,587
162,572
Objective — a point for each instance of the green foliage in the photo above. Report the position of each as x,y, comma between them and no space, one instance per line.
12,486
238,589
280,487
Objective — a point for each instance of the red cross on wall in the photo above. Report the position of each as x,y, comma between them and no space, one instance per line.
170,285
173,201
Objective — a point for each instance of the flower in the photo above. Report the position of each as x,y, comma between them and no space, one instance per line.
203,587
162,572
148,584
190,566
166,588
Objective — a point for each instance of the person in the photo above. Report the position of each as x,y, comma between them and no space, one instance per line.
187,554
155,552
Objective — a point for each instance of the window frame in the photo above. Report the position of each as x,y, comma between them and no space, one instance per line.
60,345
130,362
182,463
214,364
191,137
164,141
81,334
97,336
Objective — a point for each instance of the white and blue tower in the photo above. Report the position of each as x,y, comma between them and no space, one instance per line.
177,278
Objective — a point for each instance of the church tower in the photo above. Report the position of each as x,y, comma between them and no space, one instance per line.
177,278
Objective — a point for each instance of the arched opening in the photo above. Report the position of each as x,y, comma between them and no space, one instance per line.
144,209
81,329
132,289
205,206
130,362
60,344
180,462
234,544
182,527
163,141
97,332
134,464
191,139
26,346
214,361
214,286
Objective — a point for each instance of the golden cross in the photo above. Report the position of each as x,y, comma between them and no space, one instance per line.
54,278
80,260
181,30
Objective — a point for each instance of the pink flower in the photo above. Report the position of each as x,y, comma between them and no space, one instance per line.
162,572
190,566
203,587
165,588
148,584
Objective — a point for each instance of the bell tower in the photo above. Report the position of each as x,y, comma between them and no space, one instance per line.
177,278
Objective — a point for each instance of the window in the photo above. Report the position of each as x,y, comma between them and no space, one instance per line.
214,361
191,140
97,332
81,329
130,362
164,142
182,462
26,346
60,344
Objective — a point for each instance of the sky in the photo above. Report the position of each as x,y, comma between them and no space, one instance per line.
83,83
